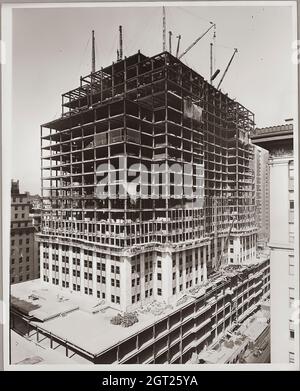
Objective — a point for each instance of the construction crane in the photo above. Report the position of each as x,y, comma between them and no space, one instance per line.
196,41
178,43
228,65
220,261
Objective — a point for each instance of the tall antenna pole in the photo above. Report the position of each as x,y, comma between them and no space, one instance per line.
214,49
170,42
93,52
121,43
211,62
164,29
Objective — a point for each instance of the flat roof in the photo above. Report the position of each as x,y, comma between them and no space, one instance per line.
84,321
73,317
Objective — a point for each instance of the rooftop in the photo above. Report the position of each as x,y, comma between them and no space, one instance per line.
272,135
69,315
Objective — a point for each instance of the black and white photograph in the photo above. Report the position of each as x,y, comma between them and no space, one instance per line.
150,185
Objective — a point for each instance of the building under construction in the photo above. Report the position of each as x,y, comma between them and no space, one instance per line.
147,183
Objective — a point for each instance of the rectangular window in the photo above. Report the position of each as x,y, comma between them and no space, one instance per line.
159,264
291,296
291,357
291,265
159,292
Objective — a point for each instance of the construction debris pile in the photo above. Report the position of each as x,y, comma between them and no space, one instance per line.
126,320
155,308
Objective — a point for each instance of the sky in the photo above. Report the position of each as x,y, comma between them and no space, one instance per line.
51,49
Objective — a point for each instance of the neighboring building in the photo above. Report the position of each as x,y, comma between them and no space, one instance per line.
159,122
262,194
24,259
35,211
278,140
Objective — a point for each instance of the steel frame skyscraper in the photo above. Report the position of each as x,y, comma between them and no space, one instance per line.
147,183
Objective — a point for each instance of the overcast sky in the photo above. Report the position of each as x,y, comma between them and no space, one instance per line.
52,49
